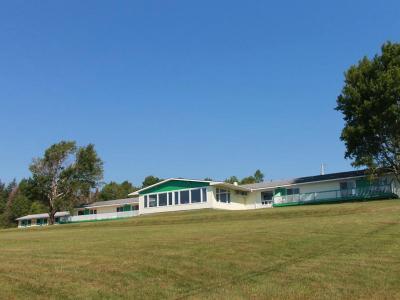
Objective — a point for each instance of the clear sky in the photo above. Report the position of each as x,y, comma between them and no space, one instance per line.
183,88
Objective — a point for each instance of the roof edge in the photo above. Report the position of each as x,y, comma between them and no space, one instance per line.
135,193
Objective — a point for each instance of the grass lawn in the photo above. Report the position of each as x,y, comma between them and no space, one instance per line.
349,250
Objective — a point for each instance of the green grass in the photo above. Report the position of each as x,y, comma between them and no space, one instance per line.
349,250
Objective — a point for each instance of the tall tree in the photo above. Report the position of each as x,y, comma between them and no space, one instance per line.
150,180
115,190
66,174
3,197
258,176
232,179
370,103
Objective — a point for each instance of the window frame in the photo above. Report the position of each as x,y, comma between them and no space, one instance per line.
219,192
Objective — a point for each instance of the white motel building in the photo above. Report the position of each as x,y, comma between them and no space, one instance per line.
178,194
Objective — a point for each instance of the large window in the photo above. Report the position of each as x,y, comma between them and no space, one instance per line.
162,199
196,196
176,195
179,197
184,197
152,200
204,192
223,196
293,191
266,197
169,198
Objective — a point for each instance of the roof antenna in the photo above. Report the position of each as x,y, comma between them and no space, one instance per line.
322,169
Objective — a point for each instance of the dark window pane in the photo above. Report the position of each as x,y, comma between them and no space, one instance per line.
289,192
195,196
222,197
267,195
152,200
145,201
184,197
169,198
176,197
162,199
204,191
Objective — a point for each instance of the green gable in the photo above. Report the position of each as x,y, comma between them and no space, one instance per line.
174,185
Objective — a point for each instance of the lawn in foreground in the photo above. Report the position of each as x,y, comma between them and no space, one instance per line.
349,250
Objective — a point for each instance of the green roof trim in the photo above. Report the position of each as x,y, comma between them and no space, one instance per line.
174,185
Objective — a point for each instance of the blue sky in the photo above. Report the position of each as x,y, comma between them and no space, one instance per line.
183,88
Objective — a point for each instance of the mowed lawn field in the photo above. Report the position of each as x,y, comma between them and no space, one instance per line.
349,251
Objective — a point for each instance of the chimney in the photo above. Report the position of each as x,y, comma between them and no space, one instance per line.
322,169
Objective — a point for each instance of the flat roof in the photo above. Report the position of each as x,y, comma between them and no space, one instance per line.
307,179
111,202
45,215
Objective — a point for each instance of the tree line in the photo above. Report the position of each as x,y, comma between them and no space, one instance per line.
67,176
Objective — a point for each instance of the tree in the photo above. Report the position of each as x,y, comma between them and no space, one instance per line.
208,179
232,180
65,175
150,180
370,103
3,197
114,190
248,180
258,176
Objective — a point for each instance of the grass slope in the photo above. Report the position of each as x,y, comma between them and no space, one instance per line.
347,250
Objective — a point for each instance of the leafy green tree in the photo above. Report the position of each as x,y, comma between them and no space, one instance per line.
370,103
20,206
114,190
258,176
3,197
150,180
65,175
37,207
232,180
248,180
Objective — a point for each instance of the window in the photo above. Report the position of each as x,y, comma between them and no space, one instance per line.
223,196
169,198
196,196
44,221
145,201
267,197
162,199
152,200
80,212
120,209
184,197
293,191
176,195
204,192
92,211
